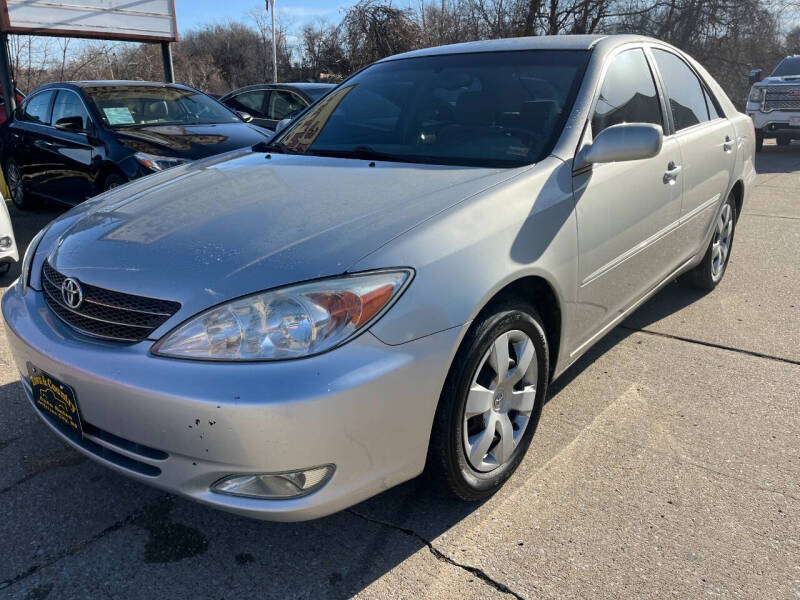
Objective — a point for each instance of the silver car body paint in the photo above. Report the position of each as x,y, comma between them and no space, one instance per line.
239,223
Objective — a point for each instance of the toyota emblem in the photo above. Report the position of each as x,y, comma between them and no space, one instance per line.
71,293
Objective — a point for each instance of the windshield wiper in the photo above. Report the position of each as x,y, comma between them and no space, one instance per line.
362,152
274,147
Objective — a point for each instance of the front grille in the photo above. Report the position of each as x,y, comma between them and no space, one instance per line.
782,98
106,313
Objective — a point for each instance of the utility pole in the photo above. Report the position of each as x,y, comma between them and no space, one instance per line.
166,56
271,11
9,92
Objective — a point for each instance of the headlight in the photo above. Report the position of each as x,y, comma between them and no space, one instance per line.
290,322
756,94
27,260
159,163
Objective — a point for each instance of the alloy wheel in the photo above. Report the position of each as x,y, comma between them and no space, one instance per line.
15,184
500,401
721,243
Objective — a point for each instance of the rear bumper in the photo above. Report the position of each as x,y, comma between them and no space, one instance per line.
181,425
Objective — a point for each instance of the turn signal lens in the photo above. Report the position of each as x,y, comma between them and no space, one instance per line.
286,323
275,486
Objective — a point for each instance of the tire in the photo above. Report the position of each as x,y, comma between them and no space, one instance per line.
784,140
759,141
16,187
451,466
711,270
113,180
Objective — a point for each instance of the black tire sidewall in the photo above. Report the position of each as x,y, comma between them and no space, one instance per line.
19,203
464,480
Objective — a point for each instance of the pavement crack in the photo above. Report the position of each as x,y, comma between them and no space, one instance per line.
751,214
713,345
75,548
477,572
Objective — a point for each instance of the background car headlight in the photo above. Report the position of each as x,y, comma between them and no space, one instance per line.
290,322
756,94
159,163
27,260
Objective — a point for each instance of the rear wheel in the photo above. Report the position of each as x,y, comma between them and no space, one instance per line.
491,402
709,272
16,187
784,140
759,141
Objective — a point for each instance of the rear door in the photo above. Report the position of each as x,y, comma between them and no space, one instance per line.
627,211
29,138
72,180
708,146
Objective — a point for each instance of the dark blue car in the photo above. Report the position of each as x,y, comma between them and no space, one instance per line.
70,141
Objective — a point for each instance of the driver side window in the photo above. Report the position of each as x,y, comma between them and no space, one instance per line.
628,93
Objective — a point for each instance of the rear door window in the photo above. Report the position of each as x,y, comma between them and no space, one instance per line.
628,93
687,98
37,109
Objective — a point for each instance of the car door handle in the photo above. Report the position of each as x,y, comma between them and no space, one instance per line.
671,174
727,146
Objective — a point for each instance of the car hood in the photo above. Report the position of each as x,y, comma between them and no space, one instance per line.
789,79
191,141
229,226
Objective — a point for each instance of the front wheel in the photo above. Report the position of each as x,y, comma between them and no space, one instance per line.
784,140
112,181
491,403
708,274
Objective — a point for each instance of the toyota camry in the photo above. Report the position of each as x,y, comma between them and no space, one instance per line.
389,285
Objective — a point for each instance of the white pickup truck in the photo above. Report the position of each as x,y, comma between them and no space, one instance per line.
774,103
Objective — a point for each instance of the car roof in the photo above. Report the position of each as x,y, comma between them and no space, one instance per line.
300,85
542,42
112,83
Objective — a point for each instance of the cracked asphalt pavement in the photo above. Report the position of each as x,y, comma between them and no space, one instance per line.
666,463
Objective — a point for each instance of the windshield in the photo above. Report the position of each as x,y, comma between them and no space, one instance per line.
788,66
138,106
493,109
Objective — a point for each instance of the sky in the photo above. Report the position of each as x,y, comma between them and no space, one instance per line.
195,13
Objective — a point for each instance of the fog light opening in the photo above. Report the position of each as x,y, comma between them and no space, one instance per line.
5,242
275,486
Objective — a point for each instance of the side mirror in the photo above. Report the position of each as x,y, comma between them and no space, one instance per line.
282,124
73,124
755,75
626,141
244,116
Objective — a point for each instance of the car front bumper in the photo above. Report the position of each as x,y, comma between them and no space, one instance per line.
776,122
181,425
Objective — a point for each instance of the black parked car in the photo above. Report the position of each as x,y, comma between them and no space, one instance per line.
269,103
70,141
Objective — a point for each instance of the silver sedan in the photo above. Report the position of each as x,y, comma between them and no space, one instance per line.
391,283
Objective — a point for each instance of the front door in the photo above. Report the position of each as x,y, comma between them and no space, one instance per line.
627,212
72,181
